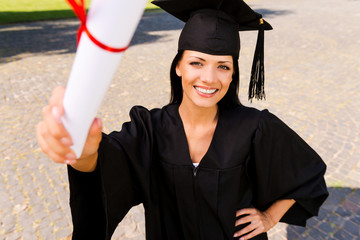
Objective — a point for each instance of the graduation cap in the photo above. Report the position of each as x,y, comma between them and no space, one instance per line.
212,27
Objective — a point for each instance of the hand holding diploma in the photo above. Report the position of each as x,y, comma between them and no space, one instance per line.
55,141
69,120
104,34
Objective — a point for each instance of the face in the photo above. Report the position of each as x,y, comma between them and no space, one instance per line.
205,78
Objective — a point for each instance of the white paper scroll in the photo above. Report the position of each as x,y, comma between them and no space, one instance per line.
113,23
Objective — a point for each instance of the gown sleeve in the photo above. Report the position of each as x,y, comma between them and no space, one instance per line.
284,166
99,200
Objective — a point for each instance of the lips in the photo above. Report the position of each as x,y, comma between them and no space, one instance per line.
208,91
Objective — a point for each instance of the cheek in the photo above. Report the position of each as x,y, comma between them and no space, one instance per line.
189,77
186,83
227,81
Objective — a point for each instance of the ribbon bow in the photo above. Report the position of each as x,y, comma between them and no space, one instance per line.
80,12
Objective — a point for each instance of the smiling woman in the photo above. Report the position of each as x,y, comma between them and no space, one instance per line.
204,166
205,78
231,97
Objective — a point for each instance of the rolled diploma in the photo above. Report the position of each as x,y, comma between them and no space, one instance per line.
112,22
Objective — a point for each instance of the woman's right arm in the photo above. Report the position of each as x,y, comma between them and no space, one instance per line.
55,141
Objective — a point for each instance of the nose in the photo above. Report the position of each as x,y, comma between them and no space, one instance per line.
208,75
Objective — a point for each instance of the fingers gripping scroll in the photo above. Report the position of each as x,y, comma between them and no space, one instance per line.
55,141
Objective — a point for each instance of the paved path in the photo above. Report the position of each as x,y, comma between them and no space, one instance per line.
312,74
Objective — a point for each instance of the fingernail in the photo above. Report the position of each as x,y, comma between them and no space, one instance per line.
242,238
98,121
65,141
70,156
70,162
235,235
56,114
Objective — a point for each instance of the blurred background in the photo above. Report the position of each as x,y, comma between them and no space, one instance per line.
312,83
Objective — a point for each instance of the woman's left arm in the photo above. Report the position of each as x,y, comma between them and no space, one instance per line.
261,221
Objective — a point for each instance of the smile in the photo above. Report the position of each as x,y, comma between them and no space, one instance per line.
206,91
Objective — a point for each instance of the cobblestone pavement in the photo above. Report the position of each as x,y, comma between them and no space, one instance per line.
312,83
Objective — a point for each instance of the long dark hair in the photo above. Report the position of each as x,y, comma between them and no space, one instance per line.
231,98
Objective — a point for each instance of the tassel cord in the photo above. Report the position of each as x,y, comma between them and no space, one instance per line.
257,79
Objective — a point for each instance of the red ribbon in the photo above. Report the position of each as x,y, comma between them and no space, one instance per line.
80,12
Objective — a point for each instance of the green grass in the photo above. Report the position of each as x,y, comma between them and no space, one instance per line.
12,11
150,6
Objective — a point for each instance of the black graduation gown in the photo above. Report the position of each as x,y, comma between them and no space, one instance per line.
254,159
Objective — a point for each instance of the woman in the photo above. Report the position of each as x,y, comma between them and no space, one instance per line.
204,166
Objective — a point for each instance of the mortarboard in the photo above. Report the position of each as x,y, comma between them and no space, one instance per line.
212,27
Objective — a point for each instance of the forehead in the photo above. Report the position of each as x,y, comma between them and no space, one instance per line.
207,57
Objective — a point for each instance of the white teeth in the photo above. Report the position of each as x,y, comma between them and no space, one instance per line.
207,91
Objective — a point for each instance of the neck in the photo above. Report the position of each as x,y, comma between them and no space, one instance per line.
198,115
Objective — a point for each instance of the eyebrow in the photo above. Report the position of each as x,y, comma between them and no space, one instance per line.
205,60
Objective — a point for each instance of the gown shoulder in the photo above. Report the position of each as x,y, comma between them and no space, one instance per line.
284,166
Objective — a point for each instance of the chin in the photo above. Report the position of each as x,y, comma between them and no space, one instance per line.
206,103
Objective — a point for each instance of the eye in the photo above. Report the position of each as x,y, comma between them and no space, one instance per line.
224,67
196,64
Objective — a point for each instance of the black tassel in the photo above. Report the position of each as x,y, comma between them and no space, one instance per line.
256,86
